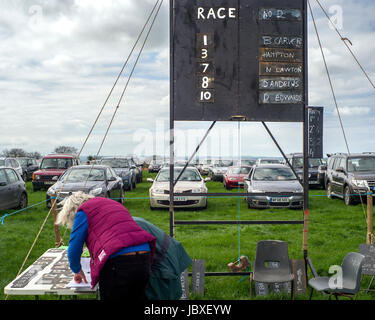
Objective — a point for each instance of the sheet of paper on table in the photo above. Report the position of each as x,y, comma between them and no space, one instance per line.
85,264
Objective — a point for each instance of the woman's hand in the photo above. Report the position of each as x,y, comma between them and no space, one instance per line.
78,277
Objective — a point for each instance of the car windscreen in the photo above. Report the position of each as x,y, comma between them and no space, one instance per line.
248,162
56,163
239,170
23,162
188,175
82,175
270,161
224,163
115,163
313,163
2,163
274,174
361,164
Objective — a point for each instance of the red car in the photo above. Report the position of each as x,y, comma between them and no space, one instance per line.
234,177
51,168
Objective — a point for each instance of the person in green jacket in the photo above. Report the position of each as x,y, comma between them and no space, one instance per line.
170,260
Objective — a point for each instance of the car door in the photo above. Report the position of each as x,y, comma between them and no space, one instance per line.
335,176
341,176
14,187
5,191
111,184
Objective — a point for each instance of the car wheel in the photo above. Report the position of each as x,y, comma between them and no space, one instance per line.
329,190
24,176
348,198
23,201
152,208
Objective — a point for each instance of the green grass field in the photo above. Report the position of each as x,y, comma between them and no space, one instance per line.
334,230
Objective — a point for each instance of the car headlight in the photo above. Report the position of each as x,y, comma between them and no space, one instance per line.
51,191
197,190
256,191
96,191
360,183
37,177
232,179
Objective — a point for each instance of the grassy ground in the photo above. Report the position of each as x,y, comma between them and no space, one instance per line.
334,230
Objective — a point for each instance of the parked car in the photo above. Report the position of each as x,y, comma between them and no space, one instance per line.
123,168
218,168
203,167
51,168
274,180
235,176
296,160
13,193
98,180
350,176
190,181
322,170
155,166
268,161
133,160
29,166
11,163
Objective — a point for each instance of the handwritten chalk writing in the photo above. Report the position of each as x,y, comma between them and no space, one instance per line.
280,14
282,41
281,69
272,83
280,55
216,13
279,97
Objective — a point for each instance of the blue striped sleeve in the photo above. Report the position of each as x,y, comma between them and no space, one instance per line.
77,240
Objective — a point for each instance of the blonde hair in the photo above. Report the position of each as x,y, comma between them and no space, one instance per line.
69,208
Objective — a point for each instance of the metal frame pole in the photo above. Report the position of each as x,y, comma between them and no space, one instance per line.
171,122
305,140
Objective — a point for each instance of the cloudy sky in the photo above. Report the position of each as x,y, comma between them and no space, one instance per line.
60,58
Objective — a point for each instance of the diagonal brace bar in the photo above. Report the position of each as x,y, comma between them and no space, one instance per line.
194,153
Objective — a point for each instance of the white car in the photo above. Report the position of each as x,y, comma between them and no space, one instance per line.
190,181
11,163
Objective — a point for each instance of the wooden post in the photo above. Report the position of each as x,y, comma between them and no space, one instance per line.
58,241
370,236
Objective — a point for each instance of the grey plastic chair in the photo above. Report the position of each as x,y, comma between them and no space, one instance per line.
272,264
351,278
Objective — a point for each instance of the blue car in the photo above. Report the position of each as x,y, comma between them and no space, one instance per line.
124,169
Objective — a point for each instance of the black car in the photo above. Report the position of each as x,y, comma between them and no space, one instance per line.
138,167
123,169
97,180
13,192
29,166
296,160
155,166
350,176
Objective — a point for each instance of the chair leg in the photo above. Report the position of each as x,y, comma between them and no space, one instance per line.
292,290
311,293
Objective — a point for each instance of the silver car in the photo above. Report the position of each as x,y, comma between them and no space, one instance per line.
11,163
13,193
276,185
190,181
